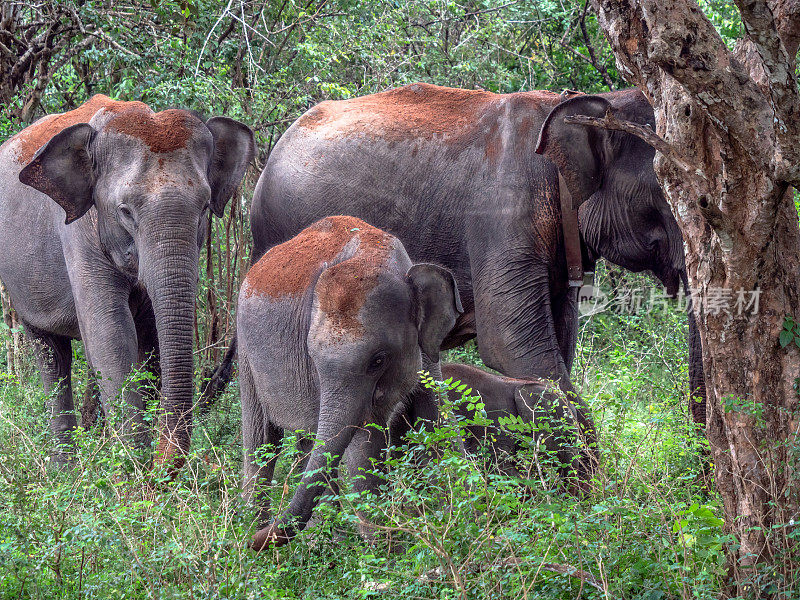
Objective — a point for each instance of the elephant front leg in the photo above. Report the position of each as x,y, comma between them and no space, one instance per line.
109,335
517,336
364,459
515,322
565,319
258,434
54,356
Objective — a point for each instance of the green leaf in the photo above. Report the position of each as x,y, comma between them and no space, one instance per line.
785,338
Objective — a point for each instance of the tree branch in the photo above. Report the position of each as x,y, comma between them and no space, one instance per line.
781,86
644,133
590,49
648,34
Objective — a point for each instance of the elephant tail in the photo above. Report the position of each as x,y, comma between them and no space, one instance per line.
216,380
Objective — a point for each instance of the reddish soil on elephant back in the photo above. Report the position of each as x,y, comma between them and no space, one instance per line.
419,110
37,135
460,118
289,268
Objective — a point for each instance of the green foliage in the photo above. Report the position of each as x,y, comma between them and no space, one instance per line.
450,526
726,19
790,332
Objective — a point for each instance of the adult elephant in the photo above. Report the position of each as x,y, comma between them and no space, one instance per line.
456,176
103,210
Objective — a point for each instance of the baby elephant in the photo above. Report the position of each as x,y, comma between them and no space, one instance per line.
333,327
534,401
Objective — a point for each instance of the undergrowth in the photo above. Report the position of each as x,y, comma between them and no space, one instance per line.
451,527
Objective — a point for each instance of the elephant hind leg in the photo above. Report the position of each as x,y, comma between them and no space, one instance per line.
259,437
54,355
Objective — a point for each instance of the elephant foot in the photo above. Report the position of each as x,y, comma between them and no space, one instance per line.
62,459
170,458
271,535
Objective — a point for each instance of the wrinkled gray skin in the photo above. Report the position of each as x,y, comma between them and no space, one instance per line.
298,370
478,199
533,401
122,276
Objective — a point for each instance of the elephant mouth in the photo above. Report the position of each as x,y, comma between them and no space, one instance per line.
671,279
128,265
377,397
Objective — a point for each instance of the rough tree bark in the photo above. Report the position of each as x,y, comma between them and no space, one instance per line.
13,336
729,154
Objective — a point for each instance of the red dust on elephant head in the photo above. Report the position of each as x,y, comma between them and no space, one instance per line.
289,268
37,135
166,131
342,289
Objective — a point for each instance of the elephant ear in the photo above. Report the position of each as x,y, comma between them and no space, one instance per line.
579,151
62,169
234,148
438,305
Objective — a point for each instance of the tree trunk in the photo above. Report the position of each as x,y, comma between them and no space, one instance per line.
14,340
730,150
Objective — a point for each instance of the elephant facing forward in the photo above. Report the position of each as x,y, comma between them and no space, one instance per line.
334,326
103,210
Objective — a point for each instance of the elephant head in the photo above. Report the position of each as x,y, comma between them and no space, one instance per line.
151,178
368,365
623,214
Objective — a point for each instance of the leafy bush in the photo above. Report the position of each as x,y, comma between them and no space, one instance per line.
448,527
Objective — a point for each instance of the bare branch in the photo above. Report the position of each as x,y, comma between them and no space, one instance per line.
717,82
643,132
571,571
208,37
590,49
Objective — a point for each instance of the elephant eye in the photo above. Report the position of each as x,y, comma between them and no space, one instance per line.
126,215
377,362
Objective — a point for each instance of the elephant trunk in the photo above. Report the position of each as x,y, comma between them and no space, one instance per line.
697,379
338,421
169,271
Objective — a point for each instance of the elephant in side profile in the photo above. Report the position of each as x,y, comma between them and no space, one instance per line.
455,175
334,326
531,402
103,210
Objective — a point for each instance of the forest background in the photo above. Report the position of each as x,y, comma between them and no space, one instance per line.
651,529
